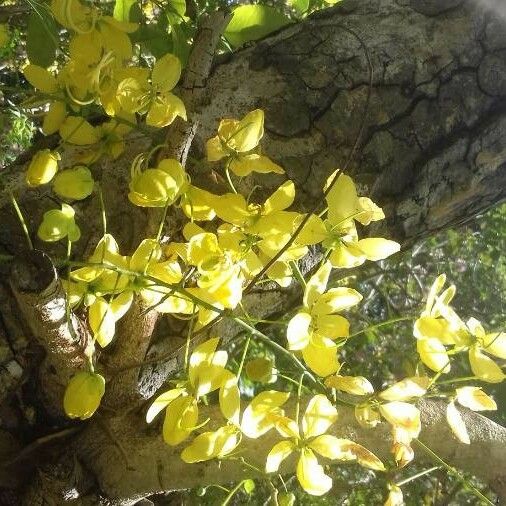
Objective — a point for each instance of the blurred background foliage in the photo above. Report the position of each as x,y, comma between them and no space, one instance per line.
472,257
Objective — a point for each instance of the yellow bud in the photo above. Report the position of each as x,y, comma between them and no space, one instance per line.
262,370
42,168
403,454
83,394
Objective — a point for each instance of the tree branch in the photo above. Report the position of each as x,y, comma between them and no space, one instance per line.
154,467
42,302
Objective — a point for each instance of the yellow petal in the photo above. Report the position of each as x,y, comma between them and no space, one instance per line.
161,402
369,211
164,110
54,118
332,326
311,476
456,423
210,445
40,78
403,415
495,344
336,300
320,355
42,168
355,385
248,132
287,428
244,165
408,388
377,248
121,304
215,150
319,416
180,420
347,255
475,399
281,199
166,72
316,285
230,399
297,332
75,183
83,395
433,355
332,447
260,416
395,497
77,130
102,321
194,204
279,452
148,252
484,367
342,199
436,328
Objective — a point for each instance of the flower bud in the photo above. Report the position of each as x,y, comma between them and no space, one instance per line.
42,168
83,394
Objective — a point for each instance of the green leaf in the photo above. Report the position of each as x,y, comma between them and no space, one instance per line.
41,38
301,6
252,22
122,9
175,11
181,37
249,486
154,39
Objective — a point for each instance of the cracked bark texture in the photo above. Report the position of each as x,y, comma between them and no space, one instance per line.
433,155
434,149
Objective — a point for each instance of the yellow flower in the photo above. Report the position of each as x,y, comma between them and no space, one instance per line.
344,207
58,224
258,418
219,275
75,183
206,373
137,95
236,139
104,277
42,168
83,395
314,328
320,414
157,187
483,366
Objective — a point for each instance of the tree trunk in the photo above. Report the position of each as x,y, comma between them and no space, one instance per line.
432,152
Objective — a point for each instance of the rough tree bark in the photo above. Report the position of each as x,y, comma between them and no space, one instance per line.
433,154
